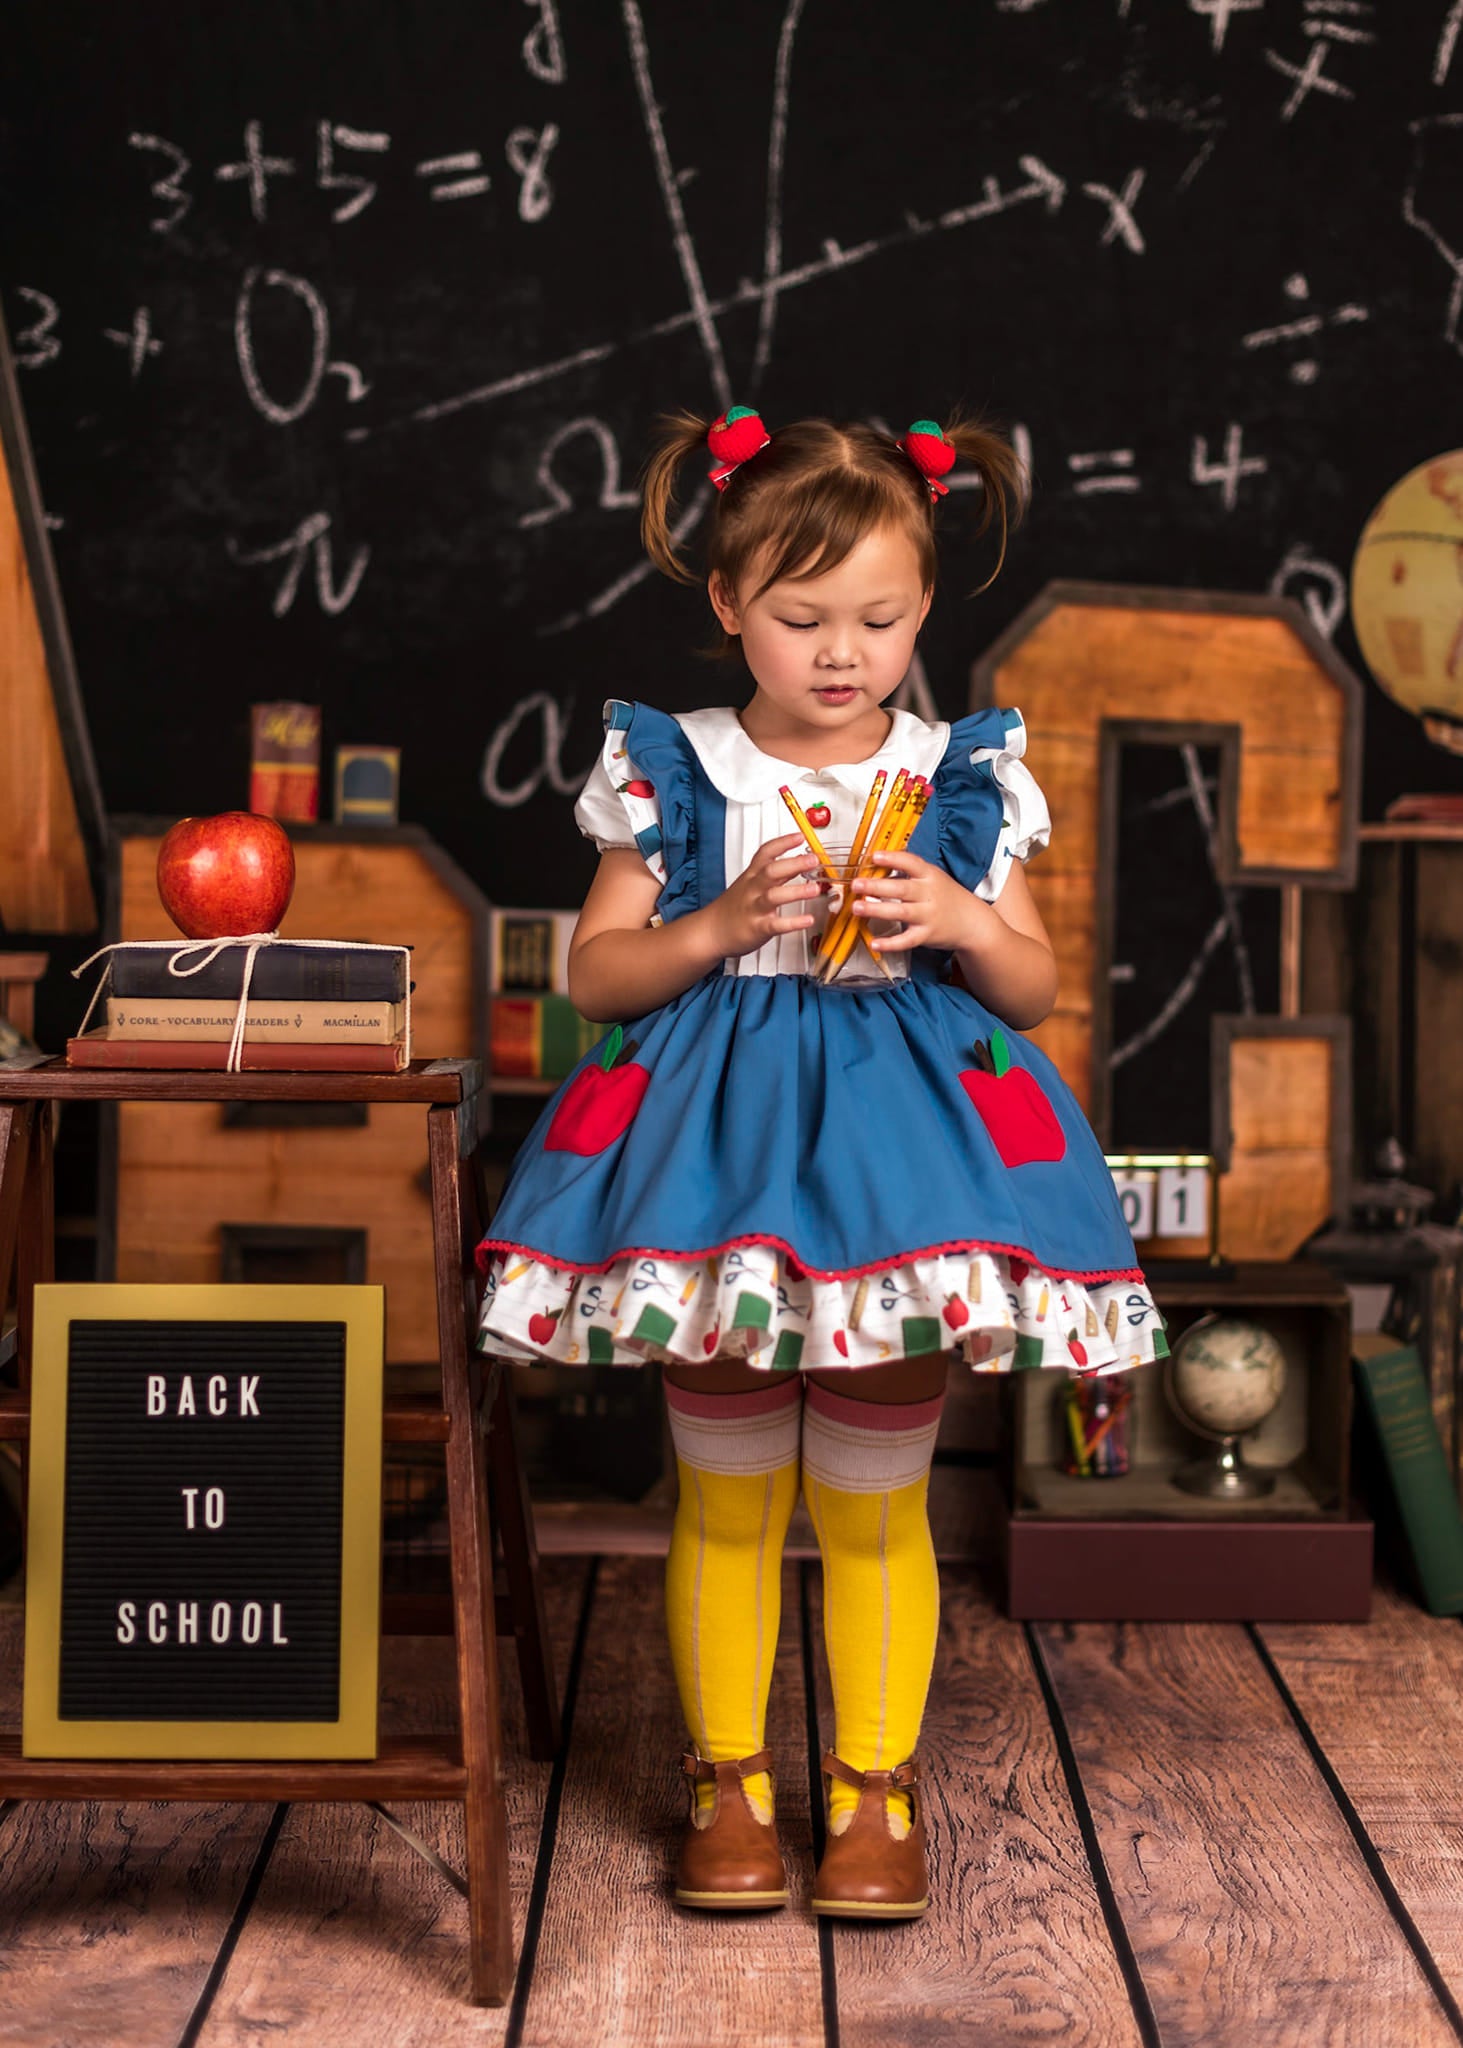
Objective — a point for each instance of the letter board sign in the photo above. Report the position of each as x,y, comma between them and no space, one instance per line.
204,1522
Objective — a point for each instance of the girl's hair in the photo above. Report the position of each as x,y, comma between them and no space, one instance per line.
805,501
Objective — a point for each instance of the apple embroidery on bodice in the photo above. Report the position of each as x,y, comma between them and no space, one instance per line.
600,1103
1011,1104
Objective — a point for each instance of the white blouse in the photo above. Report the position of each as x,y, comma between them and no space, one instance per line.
611,815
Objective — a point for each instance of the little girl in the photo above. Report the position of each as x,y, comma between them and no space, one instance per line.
802,1196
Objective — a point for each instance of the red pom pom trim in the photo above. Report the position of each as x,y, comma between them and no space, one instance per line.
931,454
733,439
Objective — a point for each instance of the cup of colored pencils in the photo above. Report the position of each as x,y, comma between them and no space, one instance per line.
889,818
1097,1425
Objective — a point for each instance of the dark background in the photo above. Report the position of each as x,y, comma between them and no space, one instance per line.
1257,202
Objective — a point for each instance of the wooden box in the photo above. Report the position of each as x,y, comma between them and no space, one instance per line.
185,1186
1390,955
1137,1548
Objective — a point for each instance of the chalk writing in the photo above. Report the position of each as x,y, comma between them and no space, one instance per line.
329,134
273,409
1435,148
528,151
1229,473
611,497
1219,12
1319,585
1120,221
39,343
168,188
1304,370
543,46
465,177
256,169
310,538
1120,478
138,340
549,767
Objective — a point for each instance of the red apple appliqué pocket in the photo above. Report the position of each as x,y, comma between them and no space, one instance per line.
600,1103
1022,1123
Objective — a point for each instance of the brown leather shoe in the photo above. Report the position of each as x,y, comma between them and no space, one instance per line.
866,1873
729,1861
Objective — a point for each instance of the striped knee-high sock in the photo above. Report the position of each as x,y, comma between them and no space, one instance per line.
737,1458
866,1472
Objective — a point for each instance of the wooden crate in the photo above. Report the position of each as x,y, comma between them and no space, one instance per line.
174,1175
1138,1548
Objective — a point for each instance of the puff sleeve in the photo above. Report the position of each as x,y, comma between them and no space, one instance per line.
1026,822
617,807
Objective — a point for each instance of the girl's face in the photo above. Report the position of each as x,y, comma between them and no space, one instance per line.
827,650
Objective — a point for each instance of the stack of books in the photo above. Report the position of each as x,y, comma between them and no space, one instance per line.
537,1034
311,1007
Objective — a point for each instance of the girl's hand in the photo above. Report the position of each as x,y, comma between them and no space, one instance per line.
746,915
928,902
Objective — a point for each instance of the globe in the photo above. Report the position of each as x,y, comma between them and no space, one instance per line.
1407,596
1225,1377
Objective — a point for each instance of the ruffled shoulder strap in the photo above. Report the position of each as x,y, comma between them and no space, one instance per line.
986,809
654,767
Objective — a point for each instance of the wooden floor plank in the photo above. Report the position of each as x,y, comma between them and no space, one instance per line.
353,1938
110,1914
1381,1699
619,1966
1014,1948
1254,1919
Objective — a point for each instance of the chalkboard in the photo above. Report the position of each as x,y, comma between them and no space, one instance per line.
342,329
200,1527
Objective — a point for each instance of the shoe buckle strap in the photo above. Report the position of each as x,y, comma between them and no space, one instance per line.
701,1770
898,1779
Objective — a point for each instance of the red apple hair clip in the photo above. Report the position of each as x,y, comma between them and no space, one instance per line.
931,454
733,439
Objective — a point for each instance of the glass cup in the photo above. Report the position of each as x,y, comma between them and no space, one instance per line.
859,964
1097,1425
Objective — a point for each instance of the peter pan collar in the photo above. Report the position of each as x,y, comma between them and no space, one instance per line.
739,769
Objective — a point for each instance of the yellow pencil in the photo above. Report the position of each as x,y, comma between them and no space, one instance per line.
799,818
839,942
897,827
835,924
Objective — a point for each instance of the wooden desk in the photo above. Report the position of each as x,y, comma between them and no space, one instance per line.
474,1419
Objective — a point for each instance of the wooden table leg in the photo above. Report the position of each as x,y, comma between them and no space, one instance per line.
490,1920
17,1121
513,1517
35,1258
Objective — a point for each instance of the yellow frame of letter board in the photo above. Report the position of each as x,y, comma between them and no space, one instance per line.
353,1734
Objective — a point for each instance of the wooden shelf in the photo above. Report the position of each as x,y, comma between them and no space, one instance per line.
411,1767
439,1081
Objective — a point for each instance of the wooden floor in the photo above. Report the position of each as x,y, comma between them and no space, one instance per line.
1141,1834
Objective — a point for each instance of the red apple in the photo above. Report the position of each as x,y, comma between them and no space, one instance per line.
1010,1103
542,1328
709,1344
840,1343
599,1104
956,1314
819,816
223,876
1077,1348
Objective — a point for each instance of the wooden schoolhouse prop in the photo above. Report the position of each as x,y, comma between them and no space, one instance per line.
1095,667
470,1414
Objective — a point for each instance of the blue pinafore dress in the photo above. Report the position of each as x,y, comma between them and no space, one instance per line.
808,1176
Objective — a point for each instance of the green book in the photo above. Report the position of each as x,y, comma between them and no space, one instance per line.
1396,1396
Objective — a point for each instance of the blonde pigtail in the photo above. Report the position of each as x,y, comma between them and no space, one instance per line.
680,434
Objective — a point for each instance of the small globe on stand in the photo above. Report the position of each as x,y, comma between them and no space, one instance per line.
1223,1378
1407,596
